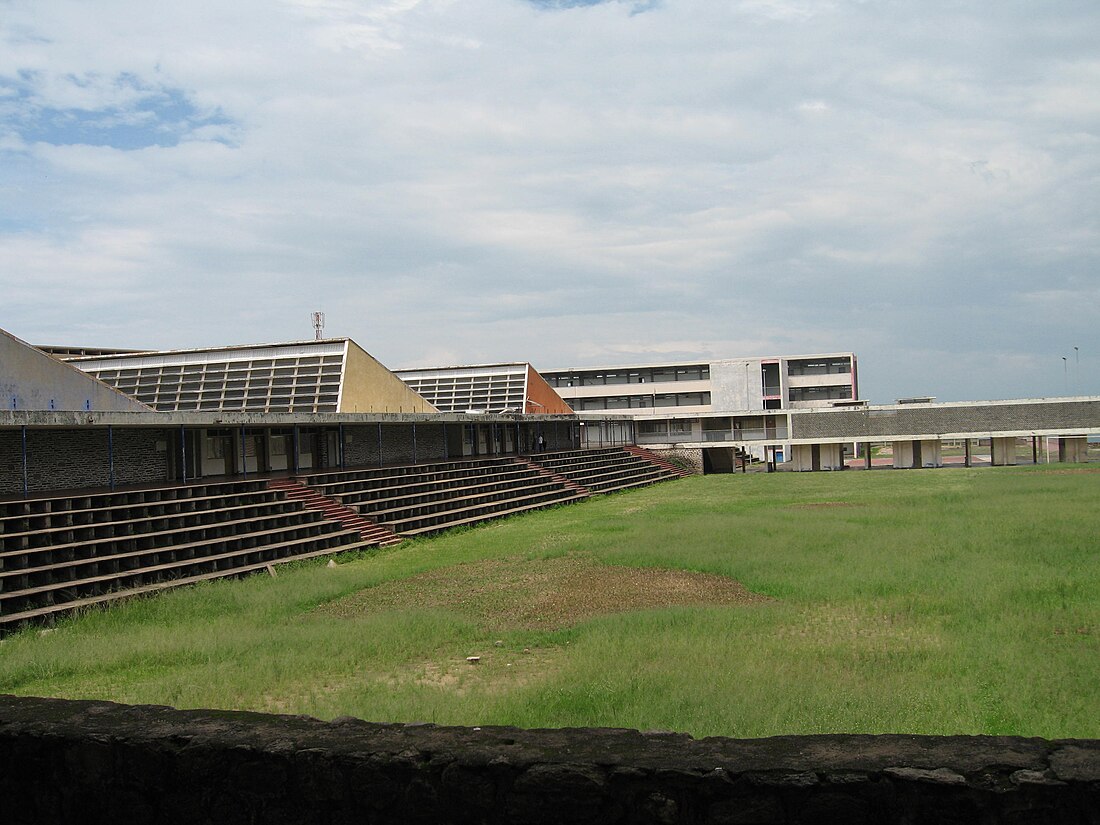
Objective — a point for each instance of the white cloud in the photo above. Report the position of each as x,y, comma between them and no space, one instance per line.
490,180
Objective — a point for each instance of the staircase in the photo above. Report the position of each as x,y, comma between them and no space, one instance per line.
543,471
649,455
335,511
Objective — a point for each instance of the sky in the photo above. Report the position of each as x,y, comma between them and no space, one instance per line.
567,183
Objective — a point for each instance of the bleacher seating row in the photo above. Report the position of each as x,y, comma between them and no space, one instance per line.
67,551
606,470
427,498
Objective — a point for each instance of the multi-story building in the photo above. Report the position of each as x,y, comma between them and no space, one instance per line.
692,405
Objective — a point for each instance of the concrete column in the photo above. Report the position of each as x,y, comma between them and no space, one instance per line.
1073,449
1003,451
921,452
903,454
931,453
801,457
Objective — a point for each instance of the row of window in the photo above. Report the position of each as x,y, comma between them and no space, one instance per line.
640,402
628,376
820,393
673,427
831,366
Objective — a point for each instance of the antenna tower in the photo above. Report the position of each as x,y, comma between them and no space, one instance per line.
319,325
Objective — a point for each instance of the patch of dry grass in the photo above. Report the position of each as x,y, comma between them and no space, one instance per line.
544,594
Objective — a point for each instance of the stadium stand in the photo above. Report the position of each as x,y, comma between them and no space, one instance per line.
77,549
425,498
66,552
607,470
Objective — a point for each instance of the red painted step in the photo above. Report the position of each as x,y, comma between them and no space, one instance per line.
543,471
334,511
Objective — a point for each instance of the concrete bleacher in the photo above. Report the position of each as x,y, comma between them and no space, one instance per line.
424,498
607,469
65,552
73,550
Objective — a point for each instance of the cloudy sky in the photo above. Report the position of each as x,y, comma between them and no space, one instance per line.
462,181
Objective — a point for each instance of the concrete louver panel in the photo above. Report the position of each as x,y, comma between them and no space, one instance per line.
32,380
486,388
328,376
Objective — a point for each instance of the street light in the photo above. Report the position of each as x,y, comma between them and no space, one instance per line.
1077,370
1065,370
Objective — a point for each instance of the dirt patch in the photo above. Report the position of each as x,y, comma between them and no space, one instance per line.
544,594
817,505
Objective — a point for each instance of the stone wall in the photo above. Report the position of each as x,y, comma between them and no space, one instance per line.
65,459
361,444
77,761
688,458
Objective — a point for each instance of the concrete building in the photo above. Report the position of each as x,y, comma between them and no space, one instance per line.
711,411
486,388
334,375
182,415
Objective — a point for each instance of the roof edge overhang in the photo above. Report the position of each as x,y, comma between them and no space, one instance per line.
14,419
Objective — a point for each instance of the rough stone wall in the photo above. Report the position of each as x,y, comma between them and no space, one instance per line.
397,444
89,762
64,459
11,462
60,459
137,460
429,442
977,418
361,446
684,457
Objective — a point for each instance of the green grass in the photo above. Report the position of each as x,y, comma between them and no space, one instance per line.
941,601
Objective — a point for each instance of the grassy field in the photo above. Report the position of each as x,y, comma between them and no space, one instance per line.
944,601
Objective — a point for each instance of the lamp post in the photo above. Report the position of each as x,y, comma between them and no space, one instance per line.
1065,370
1077,370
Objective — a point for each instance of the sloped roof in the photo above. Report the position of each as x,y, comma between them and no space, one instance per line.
32,380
